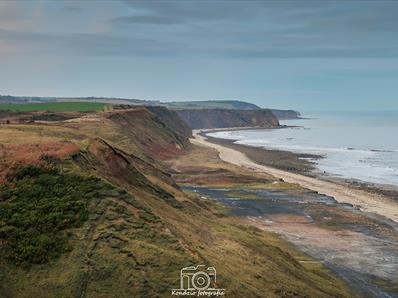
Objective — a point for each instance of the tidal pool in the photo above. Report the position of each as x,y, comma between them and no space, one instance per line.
361,248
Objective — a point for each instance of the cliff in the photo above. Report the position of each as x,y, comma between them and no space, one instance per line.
173,105
145,131
285,114
220,118
172,120
89,209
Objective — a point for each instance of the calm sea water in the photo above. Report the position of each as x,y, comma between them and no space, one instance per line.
359,145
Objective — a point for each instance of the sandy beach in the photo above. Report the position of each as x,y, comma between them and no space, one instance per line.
367,202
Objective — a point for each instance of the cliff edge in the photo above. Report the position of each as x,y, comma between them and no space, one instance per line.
221,118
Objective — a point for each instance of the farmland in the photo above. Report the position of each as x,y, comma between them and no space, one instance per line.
54,107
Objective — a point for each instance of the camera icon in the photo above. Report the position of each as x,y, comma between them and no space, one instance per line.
198,277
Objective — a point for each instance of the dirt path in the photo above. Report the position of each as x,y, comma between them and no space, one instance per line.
365,201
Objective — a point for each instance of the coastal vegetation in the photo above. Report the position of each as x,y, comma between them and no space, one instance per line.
38,206
126,228
212,104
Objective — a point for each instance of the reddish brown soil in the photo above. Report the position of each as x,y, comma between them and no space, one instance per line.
13,156
149,133
165,151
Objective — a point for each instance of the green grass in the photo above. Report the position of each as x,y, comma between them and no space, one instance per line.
211,104
36,209
54,107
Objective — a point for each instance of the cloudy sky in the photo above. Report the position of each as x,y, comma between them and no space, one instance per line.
306,55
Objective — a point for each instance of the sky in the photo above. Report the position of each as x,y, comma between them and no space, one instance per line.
304,55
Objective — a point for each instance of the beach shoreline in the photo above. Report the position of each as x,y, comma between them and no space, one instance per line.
300,163
366,197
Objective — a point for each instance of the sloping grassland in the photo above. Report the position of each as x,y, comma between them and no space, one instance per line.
126,228
54,107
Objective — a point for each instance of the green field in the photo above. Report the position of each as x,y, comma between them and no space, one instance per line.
211,104
54,107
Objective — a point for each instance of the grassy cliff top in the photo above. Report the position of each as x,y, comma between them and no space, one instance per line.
54,107
212,104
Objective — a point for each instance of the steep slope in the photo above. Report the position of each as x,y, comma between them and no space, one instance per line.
137,131
131,228
220,118
172,120
285,114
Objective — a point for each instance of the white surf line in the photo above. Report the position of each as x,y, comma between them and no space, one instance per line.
343,194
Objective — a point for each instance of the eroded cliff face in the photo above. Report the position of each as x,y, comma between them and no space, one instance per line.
220,118
159,135
172,120
286,114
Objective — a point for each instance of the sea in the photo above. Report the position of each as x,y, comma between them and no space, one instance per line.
354,145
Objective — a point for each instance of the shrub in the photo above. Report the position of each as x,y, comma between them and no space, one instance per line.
37,207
